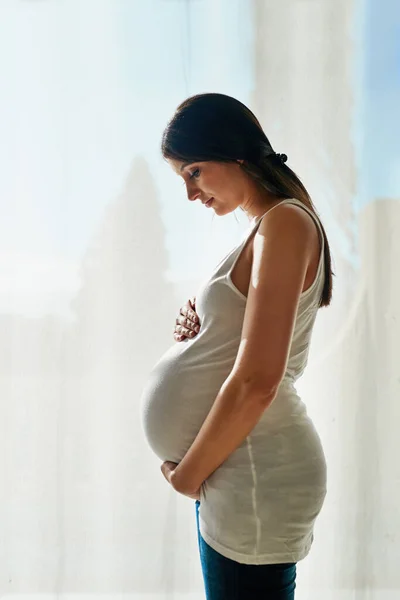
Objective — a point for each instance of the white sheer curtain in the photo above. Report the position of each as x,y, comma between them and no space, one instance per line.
99,249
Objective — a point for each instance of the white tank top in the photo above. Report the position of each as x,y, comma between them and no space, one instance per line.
260,505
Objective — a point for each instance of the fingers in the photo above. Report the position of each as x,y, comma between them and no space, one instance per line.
188,312
187,323
186,327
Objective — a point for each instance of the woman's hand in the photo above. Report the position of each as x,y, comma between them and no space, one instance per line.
187,324
167,469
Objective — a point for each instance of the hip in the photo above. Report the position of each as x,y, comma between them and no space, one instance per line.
270,464
227,578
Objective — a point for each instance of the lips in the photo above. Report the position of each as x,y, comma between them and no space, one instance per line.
208,201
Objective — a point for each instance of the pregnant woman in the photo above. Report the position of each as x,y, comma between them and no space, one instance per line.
220,408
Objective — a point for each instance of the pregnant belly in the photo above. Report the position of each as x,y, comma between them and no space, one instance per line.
175,401
171,420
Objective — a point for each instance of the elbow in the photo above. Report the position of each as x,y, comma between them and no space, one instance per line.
261,388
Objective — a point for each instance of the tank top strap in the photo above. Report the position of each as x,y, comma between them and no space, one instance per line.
287,201
227,264
301,205
319,278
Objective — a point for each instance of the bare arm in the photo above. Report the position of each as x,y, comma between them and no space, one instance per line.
282,252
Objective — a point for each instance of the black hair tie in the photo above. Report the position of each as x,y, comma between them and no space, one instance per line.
282,157
262,152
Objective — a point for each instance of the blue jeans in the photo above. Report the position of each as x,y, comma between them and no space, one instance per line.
226,579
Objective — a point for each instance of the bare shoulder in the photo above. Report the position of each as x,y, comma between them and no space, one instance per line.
282,255
291,235
289,220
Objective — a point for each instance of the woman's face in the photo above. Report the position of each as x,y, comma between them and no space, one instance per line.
225,183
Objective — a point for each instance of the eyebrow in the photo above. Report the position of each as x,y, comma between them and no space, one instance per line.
185,165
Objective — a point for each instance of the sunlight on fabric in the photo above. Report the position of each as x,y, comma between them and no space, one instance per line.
100,247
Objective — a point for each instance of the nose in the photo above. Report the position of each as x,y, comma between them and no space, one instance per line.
193,192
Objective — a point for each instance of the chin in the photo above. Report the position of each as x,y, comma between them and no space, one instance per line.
221,209
226,210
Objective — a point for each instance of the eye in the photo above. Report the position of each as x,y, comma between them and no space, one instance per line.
194,173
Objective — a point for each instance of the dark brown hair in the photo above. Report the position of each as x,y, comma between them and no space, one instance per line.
216,127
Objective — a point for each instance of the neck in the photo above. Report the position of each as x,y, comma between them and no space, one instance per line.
255,213
258,203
